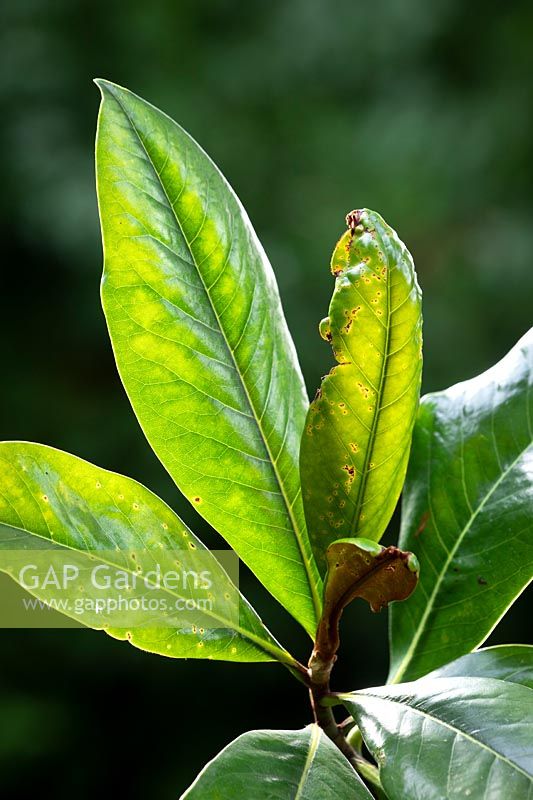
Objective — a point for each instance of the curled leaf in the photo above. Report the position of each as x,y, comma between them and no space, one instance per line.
362,568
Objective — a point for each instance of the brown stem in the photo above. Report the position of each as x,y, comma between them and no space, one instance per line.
319,672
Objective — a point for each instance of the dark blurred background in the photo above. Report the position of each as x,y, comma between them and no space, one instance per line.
420,110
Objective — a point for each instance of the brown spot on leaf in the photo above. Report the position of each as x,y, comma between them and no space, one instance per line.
481,580
353,218
350,471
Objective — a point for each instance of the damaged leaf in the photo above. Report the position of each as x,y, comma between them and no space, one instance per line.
51,499
358,430
365,569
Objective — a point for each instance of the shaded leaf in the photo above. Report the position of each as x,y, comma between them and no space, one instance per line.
279,765
506,662
467,513
357,435
362,568
48,495
449,738
201,342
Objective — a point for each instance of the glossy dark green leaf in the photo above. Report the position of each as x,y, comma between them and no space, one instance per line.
449,738
46,494
357,435
506,662
201,342
361,568
279,765
467,514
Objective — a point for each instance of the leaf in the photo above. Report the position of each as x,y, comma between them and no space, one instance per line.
507,662
467,514
361,568
201,342
279,765
449,738
357,434
46,494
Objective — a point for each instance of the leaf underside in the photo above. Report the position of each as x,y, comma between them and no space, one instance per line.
357,435
50,496
449,738
279,765
201,343
467,513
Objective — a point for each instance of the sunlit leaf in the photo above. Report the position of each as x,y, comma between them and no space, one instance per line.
201,342
48,495
357,435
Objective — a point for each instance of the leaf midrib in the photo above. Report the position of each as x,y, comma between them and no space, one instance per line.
379,400
451,554
297,532
314,742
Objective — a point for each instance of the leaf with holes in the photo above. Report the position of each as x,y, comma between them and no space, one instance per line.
357,435
279,765
467,513
201,342
47,496
449,738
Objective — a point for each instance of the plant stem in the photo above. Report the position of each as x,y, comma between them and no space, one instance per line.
319,674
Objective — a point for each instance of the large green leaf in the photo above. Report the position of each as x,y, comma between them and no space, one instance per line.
46,494
279,765
507,662
467,514
201,343
356,441
449,738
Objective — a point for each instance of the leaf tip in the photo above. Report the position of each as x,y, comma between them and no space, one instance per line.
108,87
100,83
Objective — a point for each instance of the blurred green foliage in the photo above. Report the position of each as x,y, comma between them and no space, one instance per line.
422,111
